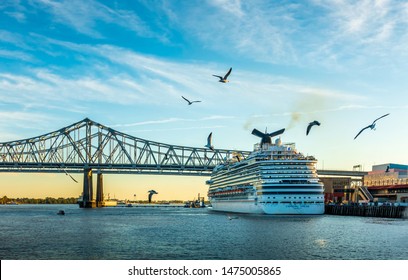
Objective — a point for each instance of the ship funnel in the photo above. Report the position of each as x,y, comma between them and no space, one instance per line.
266,137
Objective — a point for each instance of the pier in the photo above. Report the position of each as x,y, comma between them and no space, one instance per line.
384,211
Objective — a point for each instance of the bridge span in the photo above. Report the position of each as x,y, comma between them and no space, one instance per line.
88,146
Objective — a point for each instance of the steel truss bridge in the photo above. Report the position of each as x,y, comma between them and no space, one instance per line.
87,145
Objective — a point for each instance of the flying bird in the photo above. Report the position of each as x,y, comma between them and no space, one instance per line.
190,102
310,126
372,126
209,142
151,193
224,79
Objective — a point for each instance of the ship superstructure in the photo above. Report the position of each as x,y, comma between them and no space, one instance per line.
273,179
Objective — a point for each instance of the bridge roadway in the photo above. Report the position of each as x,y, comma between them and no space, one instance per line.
144,169
87,145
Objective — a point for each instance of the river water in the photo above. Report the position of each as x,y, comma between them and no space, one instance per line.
30,232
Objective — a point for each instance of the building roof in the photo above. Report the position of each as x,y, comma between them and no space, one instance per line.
384,166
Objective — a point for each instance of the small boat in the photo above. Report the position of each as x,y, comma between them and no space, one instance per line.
121,203
197,203
61,212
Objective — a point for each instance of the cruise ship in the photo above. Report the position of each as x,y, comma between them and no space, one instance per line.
274,179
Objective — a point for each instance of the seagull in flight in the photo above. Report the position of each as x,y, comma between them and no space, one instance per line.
224,79
190,102
209,142
372,126
151,193
310,126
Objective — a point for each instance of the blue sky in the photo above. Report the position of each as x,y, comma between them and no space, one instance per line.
126,64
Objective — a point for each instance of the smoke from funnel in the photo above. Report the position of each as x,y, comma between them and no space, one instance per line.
294,119
306,107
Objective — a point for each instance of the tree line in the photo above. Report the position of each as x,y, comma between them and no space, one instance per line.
47,200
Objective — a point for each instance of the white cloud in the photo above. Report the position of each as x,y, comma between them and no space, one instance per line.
17,55
178,128
336,35
218,117
172,120
257,30
233,7
14,9
14,125
162,121
358,32
13,39
150,80
83,16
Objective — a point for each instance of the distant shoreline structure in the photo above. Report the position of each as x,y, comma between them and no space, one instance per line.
74,200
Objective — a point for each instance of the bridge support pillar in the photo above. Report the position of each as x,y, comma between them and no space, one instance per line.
99,190
87,201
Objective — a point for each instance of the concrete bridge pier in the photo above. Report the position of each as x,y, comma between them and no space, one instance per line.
87,199
99,190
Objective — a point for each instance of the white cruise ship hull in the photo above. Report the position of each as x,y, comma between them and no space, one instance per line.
250,207
241,206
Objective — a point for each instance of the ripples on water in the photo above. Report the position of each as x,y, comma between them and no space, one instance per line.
126,233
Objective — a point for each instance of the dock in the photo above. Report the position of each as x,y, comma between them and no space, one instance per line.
388,211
